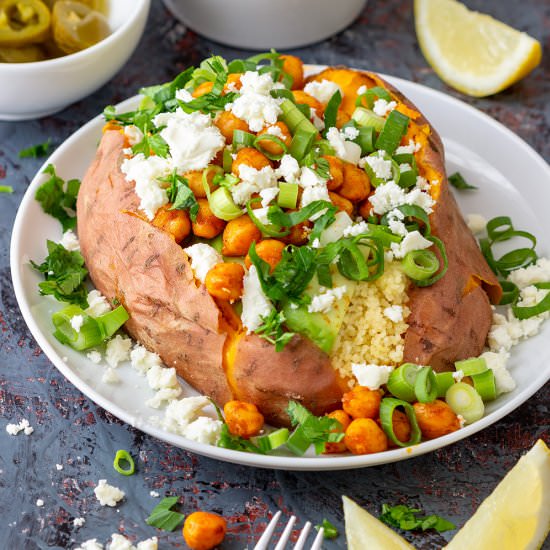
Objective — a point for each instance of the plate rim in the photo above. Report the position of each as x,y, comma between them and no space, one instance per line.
320,463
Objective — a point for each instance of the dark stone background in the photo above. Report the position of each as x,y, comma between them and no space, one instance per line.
73,431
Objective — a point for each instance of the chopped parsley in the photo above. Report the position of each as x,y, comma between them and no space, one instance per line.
408,519
36,151
272,330
181,196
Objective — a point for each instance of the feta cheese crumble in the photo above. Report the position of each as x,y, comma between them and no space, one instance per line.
371,376
94,356
78,522
458,375
346,150
23,426
203,259
476,223
389,196
142,359
133,134
76,322
255,303
322,91
412,241
110,376
108,495
97,304
154,494
497,363
382,107
252,181
409,149
40,503
69,241
90,544
379,165
117,350
394,313
289,169
322,302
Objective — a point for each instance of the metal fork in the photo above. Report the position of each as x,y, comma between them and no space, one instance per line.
300,543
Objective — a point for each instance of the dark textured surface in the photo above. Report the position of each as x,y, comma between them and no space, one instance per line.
73,431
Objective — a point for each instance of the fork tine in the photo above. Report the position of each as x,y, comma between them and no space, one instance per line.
318,540
286,534
264,539
303,536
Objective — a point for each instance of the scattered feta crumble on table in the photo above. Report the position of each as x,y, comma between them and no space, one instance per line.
154,494
22,426
108,495
79,522
39,503
59,467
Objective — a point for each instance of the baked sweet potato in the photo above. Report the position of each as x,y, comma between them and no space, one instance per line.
171,312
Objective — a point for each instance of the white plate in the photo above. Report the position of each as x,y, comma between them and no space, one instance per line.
512,178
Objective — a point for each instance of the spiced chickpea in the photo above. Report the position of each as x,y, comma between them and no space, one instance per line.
227,123
294,66
206,224
174,222
364,436
365,209
282,132
225,281
356,185
401,427
194,180
202,89
233,82
336,169
301,97
204,530
361,402
249,157
299,233
341,118
269,250
345,420
243,419
436,419
238,235
341,203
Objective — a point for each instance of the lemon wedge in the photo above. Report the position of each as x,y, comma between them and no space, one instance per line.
365,531
471,51
517,513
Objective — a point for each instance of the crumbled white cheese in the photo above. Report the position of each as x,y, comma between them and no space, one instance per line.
159,377
412,241
458,375
148,544
90,544
497,363
536,273
322,302
362,90
110,376
394,313
133,134
312,194
69,241
409,149
275,131
255,303
117,350
289,169
356,229
346,150
59,467
389,196
142,359
337,229
108,495
309,178
120,542
162,396
382,107
255,105
203,259
322,91
203,430
184,95
379,165
476,223
405,167
351,133
23,426
316,243
395,223
78,522
252,181
181,412
40,503
97,304
371,376
461,420
318,122
76,322
94,356
268,195
154,494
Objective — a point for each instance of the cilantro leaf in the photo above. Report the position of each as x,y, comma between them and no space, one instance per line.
65,274
330,531
55,200
181,196
458,181
163,517
272,330
408,519
36,151
153,143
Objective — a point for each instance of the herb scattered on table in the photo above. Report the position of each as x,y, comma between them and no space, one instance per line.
36,151
163,517
330,531
457,180
408,519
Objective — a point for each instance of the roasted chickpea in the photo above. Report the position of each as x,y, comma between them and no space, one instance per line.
336,169
341,118
401,427
272,147
194,180
364,436
302,98
206,224
233,82
299,234
345,420
293,66
202,89
227,123
174,222
341,203
238,235
365,209
436,419
204,530
243,419
270,250
250,157
356,186
225,281
361,402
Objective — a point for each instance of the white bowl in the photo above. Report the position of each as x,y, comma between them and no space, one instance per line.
264,24
34,90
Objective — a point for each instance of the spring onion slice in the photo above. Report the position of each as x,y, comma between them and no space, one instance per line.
425,385
270,137
227,160
465,400
471,366
331,110
298,442
402,380
420,265
394,129
365,117
6,189
370,95
443,381
387,408
302,142
375,180
510,293
87,336
485,385
111,321
272,440
294,118
242,139
122,456
407,177
268,230
222,205
525,312
366,139
441,247
288,195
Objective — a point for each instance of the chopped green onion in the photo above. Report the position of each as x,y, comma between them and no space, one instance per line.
242,139
510,293
329,530
36,151
124,456
294,118
401,381
370,94
275,139
469,367
365,117
272,440
387,408
425,385
288,195
375,180
407,177
302,142
394,129
443,381
271,230
525,312
87,336
365,139
485,385
298,442
331,110
164,518
227,160
111,321
465,401
441,247
222,205
420,265
458,181
6,189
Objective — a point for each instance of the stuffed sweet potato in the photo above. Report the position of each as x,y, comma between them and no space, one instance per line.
304,271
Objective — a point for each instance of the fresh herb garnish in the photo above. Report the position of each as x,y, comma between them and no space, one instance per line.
208,103
151,143
331,110
407,519
272,330
181,196
58,199
458,181
6,189
65,274
225,180
163,95
329,530
36,151
163,517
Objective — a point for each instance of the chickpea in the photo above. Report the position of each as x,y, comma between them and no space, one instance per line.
302,98
361,402
345,420
194,180
204,530
436,419
174,222
206,224
293,66
243,419
269,250
225,281
336,169
227,123
341,203
401,427
365,209
272,147
342,118
251,157
203,89
233,83
299,234
238,235
356,186
364,436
